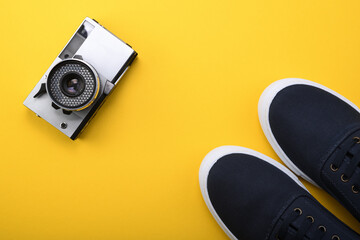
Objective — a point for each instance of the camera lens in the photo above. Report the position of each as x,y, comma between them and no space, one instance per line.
72,84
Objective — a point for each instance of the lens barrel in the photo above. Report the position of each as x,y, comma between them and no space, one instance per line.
73,84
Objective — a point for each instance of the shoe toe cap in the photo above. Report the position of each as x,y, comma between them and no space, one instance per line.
247,193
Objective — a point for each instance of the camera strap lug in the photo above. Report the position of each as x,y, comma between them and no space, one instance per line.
41,91
78,57
55,106
108,87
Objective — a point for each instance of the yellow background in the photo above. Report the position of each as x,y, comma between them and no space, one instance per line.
202,65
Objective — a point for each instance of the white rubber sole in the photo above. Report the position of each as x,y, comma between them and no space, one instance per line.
263,110
212,157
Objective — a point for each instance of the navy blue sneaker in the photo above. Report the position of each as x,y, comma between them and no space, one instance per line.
253,197
315,131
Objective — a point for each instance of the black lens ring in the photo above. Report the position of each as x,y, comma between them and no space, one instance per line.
67,76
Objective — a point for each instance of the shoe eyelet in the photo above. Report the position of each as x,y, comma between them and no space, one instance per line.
333,168
344,178
312,220
354,189
322,228
298,210
357,139
335,237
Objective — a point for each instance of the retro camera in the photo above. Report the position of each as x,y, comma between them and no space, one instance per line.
80,78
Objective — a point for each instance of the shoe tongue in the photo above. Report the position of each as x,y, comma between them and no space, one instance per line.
342,140
293,228
310,208
307,207
354,151
341,181
349,156
349,144
350,135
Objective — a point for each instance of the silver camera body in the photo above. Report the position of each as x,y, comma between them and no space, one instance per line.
81,77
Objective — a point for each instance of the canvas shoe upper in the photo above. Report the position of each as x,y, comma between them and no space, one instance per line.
315,131
253,197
